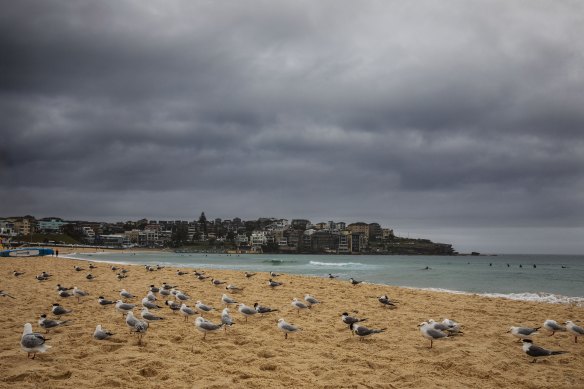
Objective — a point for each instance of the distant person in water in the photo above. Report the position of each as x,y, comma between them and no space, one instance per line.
426,268
57,253
534,266
520,265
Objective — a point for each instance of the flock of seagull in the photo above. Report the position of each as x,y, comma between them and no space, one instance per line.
34,342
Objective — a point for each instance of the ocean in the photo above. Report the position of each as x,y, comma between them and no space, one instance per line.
548,278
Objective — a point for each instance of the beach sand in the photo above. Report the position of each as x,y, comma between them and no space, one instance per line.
255,354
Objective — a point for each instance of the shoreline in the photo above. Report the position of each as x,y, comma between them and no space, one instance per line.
255,354
543,297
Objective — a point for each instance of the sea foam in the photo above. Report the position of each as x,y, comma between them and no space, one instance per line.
527,296
317,263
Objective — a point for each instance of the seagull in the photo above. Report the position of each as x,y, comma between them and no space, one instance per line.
298,305
79,293
226,319
384,300
261,309
64,293
187,311
181,296
78,268
227,300
203,307
272,274
553,326
164,292
149,304
246,311
123,307
206,326
523,332
216,282
181,273
125,294
273,284
58,310
287,327
441,326
17,273
453,327
32,342
363,331
146,315
310,300
201,277
173,305
92,266
131,320
101,334
350,320
430,333
576,330
4,294
535,351
121,276
150,296
103,302
354,282
154,289
248,275
47,324
332,277
140,327
233,289
167,287
62,288
90,276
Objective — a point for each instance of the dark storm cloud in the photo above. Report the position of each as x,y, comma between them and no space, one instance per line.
412,114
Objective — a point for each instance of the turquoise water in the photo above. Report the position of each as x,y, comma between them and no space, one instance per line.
555,278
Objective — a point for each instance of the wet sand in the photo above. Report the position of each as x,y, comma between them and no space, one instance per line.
255,354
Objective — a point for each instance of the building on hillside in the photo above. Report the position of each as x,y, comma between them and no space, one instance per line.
50,224
375,232
387,234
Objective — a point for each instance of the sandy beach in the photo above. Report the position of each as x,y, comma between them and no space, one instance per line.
255,354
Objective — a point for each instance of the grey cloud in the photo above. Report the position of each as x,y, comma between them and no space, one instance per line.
421,114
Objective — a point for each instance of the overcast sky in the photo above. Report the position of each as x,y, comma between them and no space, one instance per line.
458,121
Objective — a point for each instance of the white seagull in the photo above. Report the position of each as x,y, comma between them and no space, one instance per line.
101,334
123,307
79,293
310,300
186,311
574,329
146,315
298,305
32,342
125,294
227,300
246,311
287,327
226,319
206,326
430,333
553,326
523,332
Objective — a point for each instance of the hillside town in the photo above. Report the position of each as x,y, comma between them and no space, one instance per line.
264,235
